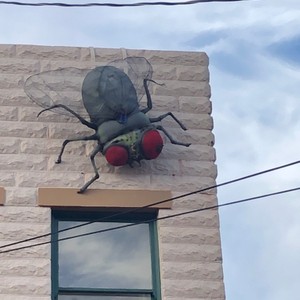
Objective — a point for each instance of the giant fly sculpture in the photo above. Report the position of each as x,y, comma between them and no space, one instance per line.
110,97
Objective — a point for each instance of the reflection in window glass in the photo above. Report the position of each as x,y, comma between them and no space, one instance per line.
118,259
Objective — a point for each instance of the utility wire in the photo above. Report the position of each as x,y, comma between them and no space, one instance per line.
153,220
157,203
114,4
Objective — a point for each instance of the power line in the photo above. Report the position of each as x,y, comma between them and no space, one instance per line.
153,220
157,203
114,4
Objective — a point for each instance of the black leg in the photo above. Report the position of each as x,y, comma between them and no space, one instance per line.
157,119
85,138
149,100
82,120
97,149
170,137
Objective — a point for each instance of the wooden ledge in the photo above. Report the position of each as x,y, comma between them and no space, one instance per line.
106,198
2,195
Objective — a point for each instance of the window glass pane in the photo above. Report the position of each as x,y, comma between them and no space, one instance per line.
118,259
95,297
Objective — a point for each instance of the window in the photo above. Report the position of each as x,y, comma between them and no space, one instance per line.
119,264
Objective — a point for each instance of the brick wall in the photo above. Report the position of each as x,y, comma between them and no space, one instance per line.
191,265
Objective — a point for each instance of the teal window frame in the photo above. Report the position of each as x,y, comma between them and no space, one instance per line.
86,216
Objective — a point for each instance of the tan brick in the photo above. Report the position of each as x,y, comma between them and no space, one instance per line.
46,52
195,105
15,97
204,218
171,57
7,51
20,196
25,214
188,236
44,179
15,66
8,113
194,288
9,145
25,267
27,285
7,178
193,253
19,162
192,271
17,129
183,88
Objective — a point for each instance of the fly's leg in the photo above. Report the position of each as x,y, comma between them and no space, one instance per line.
97,149
149,100
157,119
171,138
85,138
82,120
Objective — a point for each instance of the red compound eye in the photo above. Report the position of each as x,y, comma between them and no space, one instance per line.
116,156
152,144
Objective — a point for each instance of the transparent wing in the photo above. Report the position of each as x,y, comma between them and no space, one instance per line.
62,86
103,93
137,69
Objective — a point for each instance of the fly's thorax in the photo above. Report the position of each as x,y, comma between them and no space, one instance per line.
111,129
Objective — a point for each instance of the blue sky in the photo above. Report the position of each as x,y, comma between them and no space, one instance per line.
254,50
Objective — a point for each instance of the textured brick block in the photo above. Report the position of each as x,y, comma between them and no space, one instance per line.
7,178
17,129
9,81
206,218
194,201
15,97
171,57
198,168
24,214
194,288
7,51
45,52
15,66
47,179
25,267
18,196
175,183
15,162
193,253
183,88
192,271
190,235
8,113
193,152
63,131
195,105
25,285
42,251
9,145
18,231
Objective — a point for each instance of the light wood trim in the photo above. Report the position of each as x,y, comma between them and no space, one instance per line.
106,198
2,195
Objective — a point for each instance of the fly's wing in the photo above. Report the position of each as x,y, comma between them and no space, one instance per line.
62,86
137,68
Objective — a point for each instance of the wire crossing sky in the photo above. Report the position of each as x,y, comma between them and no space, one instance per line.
159,202
142,222
114,4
